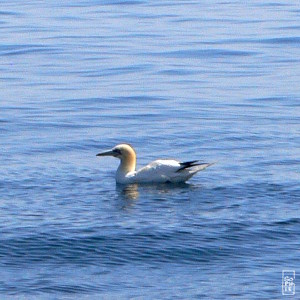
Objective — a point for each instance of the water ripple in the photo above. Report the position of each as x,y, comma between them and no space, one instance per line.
212,53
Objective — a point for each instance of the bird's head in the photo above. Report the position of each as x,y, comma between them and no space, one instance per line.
126,154
122,151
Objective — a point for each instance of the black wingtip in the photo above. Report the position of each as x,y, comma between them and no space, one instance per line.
188,164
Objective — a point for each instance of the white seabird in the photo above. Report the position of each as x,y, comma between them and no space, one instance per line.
158,171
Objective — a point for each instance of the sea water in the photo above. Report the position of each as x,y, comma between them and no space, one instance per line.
214,80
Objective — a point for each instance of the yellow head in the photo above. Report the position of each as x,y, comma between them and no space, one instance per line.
126,154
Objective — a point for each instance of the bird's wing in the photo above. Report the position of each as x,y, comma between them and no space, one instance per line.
158,170
164,170
194,165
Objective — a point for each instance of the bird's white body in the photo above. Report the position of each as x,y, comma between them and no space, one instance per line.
158,171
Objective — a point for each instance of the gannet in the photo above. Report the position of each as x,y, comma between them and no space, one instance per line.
158,171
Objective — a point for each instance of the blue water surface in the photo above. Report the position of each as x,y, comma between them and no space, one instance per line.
210,80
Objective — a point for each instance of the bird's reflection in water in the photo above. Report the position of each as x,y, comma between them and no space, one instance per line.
133,191
127,195
129,192
167,188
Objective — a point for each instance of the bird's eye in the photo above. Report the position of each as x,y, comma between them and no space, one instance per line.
117,151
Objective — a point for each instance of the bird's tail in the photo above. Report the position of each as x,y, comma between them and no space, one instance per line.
200,167
194,166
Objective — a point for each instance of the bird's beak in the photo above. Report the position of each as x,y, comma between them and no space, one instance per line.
106,153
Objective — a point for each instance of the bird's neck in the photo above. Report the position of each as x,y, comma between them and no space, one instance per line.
127,164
